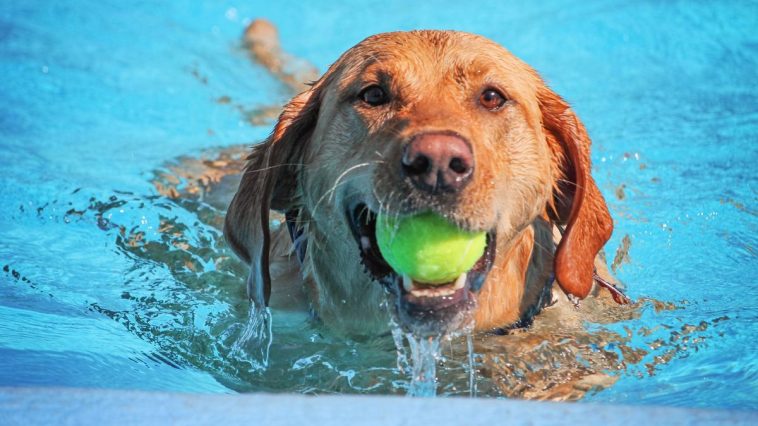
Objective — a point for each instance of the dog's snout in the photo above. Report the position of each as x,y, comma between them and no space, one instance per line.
438,162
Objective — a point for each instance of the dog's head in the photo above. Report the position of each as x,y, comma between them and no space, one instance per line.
420,121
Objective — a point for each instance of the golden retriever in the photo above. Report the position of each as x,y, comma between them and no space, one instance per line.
410,122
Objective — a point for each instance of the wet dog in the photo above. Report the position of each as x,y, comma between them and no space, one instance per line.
412,122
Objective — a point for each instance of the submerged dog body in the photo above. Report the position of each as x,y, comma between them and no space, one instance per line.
405,123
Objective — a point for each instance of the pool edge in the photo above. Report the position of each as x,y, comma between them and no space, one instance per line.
79,406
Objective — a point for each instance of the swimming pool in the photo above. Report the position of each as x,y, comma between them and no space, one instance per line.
97,101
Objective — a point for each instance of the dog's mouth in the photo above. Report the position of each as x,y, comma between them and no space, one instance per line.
421,307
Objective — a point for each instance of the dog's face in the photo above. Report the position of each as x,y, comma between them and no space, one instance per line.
411,123
405,123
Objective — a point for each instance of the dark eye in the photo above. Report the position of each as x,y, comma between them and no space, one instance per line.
374,96
491,99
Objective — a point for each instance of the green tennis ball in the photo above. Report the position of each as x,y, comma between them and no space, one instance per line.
427,247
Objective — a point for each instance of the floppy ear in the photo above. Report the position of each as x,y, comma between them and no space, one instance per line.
269,181
577,200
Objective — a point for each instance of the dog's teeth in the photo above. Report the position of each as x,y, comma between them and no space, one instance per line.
407,283
447,290
460,282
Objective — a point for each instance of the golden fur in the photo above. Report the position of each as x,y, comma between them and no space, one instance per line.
532,174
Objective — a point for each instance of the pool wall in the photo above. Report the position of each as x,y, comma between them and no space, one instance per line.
24,406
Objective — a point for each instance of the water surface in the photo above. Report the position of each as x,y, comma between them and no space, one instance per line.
96,99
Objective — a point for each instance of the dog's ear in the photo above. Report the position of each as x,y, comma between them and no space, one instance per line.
577,201
270,181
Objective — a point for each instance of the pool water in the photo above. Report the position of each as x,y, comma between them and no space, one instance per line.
106,282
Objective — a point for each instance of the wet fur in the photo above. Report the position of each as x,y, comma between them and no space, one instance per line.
532,174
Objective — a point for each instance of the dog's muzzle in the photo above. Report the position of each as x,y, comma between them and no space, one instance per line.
421,308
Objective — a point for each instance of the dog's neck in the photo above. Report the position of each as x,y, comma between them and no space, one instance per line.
519,280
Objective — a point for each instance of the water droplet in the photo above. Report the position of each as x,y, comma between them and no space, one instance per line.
231,14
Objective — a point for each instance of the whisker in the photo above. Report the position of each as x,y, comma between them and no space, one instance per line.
339,181
330,192
343,174
263,169
568,182
541,247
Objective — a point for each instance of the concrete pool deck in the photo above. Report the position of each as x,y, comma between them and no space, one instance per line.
73,406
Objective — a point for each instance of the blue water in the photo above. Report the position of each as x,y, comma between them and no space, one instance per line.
96,96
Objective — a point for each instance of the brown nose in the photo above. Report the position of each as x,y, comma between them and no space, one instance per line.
438,162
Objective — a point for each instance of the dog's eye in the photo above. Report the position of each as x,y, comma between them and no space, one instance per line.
491,99
374,96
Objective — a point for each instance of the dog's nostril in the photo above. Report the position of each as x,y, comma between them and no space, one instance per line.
418,166
458,165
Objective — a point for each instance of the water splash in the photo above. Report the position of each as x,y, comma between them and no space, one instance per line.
402,358
254,343
425,351
422,366
471,365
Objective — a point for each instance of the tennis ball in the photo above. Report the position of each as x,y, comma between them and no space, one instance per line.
427,247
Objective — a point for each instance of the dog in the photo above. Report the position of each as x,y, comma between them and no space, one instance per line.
557,357
422,121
